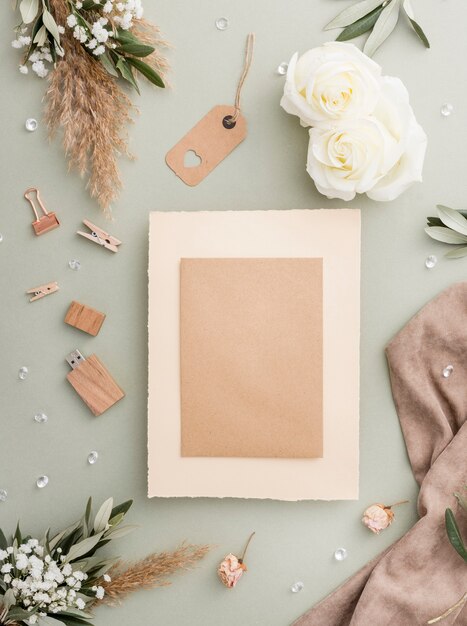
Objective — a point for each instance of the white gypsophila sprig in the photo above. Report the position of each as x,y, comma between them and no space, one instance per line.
40,584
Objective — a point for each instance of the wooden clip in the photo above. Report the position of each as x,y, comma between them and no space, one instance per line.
42,291
100,237
47,221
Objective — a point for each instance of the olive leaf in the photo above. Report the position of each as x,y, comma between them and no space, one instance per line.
384,26
454,534
452,219
353,13
126,72
446,235
146,71
417,28
50,25
458,253
83,547
136,49
361,26
28,9
41,36
103,516
108,64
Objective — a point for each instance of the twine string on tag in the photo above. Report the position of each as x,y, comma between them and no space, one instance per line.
250,43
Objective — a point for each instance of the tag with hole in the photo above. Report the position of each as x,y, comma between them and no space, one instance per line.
207,144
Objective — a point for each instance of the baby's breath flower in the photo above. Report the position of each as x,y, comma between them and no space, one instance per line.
71,20
99,50
79,4
79,32
61,29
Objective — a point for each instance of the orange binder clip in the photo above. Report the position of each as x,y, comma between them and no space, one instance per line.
47,221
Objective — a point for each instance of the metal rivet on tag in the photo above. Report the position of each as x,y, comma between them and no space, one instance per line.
228,122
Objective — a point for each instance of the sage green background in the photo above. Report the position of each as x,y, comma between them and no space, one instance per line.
294,541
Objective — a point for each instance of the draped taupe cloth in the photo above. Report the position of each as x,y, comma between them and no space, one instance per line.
421,575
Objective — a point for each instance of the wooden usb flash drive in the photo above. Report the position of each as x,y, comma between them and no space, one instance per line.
92,382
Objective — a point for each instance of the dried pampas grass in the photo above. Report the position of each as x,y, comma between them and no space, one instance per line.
152,571
92,110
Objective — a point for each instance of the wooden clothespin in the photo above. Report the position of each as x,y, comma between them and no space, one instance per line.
42,291
47,221
100,237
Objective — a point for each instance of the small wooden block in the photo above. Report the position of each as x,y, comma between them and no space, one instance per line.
93,383
84,318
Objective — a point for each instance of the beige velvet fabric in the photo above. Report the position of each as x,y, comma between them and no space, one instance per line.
421,575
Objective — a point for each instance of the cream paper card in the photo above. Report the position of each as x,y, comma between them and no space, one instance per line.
334,236
251,335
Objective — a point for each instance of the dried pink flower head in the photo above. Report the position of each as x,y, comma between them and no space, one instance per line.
231,569
377,517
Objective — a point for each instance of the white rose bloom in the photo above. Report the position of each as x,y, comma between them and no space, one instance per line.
396,113
380,155
334,81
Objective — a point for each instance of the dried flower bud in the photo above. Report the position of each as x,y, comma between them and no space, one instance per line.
377,517
231,569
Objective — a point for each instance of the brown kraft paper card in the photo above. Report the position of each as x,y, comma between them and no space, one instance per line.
251,334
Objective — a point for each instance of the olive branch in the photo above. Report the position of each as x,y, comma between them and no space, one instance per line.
378,16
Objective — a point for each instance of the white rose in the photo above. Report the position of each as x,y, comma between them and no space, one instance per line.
334,81
380,155
396,113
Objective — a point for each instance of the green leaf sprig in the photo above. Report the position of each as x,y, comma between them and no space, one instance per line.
450,226
378,16
123,50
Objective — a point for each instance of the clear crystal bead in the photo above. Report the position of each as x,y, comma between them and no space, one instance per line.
447,109
222,23
282,68
448,370
42,481
31,124
340,554
431,261
74,264
3,495
1,237
296,587
23,372
92,457
40,418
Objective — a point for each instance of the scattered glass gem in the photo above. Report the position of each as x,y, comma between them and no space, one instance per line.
23,372
222,23
296,587
1,237
40,418
31,124
282,68
74,264
42,481
92,457
431,261
448,370
340,554
447,109
3,495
